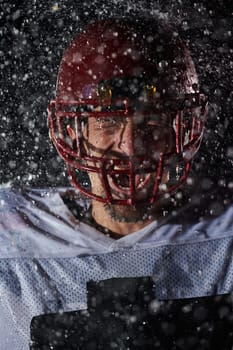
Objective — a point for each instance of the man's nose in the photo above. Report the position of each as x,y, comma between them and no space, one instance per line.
130,139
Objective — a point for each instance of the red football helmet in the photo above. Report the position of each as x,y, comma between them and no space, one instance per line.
116,69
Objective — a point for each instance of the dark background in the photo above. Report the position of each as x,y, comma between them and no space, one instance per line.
33,36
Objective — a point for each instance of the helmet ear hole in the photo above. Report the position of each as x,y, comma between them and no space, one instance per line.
85,134
71,133
172,143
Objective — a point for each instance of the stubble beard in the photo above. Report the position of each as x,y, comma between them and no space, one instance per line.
128,214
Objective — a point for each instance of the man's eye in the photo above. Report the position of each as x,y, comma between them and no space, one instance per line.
161,118
151,122
108,122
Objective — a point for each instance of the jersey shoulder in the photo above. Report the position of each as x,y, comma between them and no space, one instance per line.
33,219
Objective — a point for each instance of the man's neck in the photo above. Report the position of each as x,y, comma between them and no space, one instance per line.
121,227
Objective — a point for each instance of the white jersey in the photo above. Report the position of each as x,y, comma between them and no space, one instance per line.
48,256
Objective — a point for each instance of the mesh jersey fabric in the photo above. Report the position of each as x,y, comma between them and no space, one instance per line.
47,257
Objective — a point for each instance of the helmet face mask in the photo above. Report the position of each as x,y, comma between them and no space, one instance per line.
132,133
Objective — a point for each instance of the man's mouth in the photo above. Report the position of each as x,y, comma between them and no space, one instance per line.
123,182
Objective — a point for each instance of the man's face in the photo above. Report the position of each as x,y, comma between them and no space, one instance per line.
139,139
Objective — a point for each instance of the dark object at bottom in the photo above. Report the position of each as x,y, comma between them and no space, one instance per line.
122,314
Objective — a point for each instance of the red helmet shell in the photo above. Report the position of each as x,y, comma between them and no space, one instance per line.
120,48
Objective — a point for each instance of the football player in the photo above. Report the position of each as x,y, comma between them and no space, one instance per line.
127,119
82,268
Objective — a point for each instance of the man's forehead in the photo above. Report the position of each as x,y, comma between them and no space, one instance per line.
136,117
